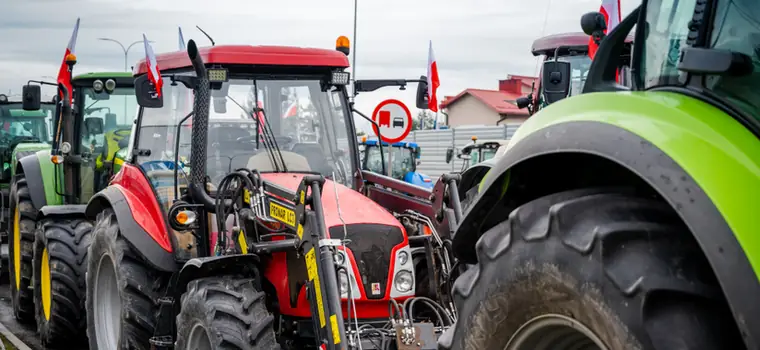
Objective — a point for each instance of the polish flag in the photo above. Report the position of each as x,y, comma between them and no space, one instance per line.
611,11
292,110
154,74
432,80
181,40
64,74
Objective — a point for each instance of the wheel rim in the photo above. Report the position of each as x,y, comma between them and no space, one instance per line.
17,248
198,339
106,304
554,332
45,283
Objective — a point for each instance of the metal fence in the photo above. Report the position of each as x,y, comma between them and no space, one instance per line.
435,142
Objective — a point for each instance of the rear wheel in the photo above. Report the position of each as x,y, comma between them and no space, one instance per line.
60,256
20,252
122,290
224,313
590,269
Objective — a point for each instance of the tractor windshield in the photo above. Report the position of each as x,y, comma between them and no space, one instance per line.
308,125
579,66
736,28
481,155
403,160
107,118
17,124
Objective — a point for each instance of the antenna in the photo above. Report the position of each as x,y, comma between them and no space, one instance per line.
206,34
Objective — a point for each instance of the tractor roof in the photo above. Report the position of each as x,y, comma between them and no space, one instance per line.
577,41
250,55
102,75
397,144
17,113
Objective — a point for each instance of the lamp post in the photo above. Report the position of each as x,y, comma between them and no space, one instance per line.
125,49
353,53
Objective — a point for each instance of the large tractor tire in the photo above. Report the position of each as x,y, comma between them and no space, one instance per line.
122,290
225,313
591,269
21,251
60,262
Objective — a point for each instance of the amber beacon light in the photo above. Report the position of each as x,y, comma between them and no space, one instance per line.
343,45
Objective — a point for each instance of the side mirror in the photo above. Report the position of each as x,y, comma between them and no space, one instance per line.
93,125
449,155
32,98
523,102
593,22
555,80
422,97
124,143
146,94
110,123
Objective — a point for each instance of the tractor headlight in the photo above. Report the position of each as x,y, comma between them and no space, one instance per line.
404,281
3,98
339,258
97,85
110,85
403,257
339,78
343,282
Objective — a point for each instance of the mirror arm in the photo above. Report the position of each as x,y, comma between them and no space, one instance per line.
369,85
40,82
380,138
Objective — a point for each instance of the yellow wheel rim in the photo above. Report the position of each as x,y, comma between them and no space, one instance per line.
45,284
17,248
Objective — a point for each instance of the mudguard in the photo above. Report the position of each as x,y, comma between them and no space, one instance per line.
666,139
138,238
239,264
32,171
75,210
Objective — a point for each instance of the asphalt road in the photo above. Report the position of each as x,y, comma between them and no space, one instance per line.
25,333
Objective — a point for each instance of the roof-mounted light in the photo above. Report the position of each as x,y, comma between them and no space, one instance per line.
71,59
217,75
474,138
3,98
110,85
97,86
343,45
339,78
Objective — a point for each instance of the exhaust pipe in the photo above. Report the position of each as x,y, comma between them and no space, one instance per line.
197,185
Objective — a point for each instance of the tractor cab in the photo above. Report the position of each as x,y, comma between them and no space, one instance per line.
563,80
22,132
476,152
405,158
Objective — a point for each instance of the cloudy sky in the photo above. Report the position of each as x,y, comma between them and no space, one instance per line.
476,42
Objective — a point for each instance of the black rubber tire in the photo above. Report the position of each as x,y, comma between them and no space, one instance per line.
22,298
66,241
232,308
623,266
140,285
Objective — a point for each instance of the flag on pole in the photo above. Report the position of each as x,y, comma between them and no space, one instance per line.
64,74
181,40
432,80
154,74
611,11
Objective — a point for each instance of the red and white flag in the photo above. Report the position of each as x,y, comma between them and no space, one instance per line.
432,80
64,74
154,74
611,11
291,111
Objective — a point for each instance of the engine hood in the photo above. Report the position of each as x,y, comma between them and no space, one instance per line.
355,208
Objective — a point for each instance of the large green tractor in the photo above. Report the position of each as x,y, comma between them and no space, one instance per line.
49,234
21,133
626,217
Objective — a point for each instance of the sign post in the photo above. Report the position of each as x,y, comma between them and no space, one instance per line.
393,122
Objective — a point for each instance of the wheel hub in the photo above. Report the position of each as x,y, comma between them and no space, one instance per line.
17,247
107,304
45,284
554,332
199,339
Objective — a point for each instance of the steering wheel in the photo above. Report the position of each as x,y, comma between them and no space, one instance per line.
154,165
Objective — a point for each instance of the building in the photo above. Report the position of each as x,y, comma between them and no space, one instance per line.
489,107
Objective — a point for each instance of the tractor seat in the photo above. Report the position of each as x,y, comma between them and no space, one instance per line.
293,161
312,152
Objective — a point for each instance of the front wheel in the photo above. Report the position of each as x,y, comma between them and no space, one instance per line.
20,254
590,269
224,313
60,259
122,290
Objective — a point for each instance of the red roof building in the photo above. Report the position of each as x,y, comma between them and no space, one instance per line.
489,107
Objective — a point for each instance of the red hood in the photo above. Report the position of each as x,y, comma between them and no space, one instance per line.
355,208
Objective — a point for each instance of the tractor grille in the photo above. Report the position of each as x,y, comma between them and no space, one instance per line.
371,245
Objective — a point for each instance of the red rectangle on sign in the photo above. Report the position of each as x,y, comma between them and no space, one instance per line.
385,118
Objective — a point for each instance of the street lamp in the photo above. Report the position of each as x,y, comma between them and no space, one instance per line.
126,50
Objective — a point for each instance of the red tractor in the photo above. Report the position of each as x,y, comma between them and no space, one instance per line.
283,250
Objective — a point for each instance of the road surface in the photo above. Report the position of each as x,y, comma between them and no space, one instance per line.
26,334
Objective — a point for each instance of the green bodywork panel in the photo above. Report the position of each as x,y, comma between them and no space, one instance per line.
26,147
721,155
102,75
48,170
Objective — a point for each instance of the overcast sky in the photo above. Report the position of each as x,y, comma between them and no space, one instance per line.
476,42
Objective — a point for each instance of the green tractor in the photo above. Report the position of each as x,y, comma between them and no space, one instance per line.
21,133
626,217
48,233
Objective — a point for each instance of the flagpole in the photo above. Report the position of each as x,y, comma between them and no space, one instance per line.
353,55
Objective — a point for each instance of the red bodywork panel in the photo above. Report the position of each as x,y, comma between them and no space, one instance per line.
143,203
250,55
355,209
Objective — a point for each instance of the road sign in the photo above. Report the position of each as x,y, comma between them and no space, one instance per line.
394,119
